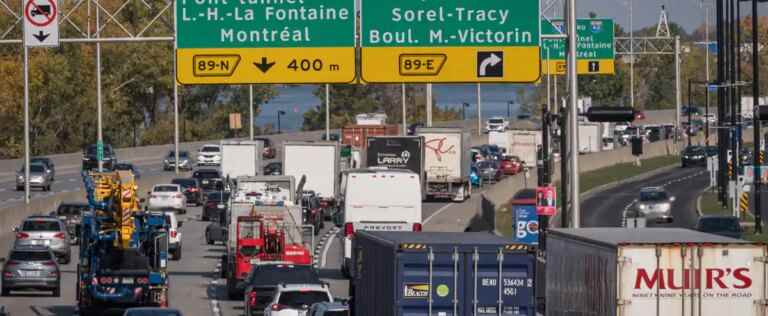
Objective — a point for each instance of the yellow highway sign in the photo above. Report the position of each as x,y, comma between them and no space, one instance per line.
265,65
583,67
450,64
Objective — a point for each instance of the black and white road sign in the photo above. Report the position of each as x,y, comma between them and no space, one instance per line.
594,66
490,64
41,23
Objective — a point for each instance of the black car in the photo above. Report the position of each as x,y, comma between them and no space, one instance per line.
727,226
127,166
70,214
209,179
334,137
312,211
273,169
217,229
191,189
215,204
412,128
264,279
91,162
693,155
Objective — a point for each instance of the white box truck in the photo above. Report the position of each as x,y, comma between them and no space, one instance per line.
240,158
319,162
590,137
524,144
653,271
446,162
378,200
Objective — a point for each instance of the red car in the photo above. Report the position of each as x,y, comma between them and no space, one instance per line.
510,166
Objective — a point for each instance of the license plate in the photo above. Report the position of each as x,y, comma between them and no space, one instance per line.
164,197
43,242
127,280
220,206
205,181
29,274
255,261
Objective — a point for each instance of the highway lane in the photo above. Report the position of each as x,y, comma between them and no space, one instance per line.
604,209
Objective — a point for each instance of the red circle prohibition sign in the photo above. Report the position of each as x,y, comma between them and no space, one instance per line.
49,16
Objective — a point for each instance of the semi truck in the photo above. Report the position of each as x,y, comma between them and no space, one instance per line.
446,163
397,152
441,273
123,250
240,158
653,271
319,163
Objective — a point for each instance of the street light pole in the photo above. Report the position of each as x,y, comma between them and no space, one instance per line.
250,109
279,129
574,131
405,113
509,110
99,132
631,56
757,206
327,112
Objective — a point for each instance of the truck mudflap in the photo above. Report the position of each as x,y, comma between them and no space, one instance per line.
461,283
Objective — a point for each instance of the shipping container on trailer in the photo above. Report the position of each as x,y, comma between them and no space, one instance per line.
356,135
653,272
439,273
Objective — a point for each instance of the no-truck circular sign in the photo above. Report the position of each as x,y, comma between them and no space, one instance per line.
40,13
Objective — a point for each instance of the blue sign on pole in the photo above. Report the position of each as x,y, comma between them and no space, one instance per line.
712,88
526,224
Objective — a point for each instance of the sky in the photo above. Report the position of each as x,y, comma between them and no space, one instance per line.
646,12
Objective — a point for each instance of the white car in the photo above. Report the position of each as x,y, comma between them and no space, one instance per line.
496,124
209,155
296,299
174,234
167,196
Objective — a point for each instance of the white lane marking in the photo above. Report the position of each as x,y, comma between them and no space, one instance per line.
440,210
327,247
3,190
72,180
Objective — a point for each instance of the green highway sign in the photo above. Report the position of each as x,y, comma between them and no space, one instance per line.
450,41
594,51
99,151
265,41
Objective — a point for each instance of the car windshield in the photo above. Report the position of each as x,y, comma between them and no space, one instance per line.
218,196
205,174
694,150
92,150
166,188
70,209
30,255
496,121
210,149
248,229
40,226
302,298
36,168
39,160
184,183
124,166
718,224
182,154
653,196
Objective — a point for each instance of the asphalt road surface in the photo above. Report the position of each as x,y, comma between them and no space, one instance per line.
605,208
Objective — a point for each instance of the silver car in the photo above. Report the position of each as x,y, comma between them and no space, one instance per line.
655,204
31,268
185,163
39,177
45,231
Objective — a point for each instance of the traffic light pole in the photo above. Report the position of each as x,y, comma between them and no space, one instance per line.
757,206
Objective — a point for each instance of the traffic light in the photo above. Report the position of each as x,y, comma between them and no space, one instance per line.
637,146
762,112
610,114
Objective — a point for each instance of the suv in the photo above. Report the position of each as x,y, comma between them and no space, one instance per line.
174,234
209,179
45,231
209,155
654,204
191,189
90,161
215,204
295,299
31,267
264,279
70,214
496,124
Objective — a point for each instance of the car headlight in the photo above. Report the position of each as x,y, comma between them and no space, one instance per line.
641,206
166,161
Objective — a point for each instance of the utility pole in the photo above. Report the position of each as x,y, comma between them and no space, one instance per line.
573,117
678,94
175,97
690,112
327,112
26,125
721,133
632,56
405,113
250,110
706,98
99,111
479,106
757,206
429,105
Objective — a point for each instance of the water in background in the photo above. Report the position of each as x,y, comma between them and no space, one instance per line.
295,100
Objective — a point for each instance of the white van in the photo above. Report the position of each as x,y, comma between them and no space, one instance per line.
378,199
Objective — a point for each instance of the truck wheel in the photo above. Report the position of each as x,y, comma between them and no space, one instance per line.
231,291
177,254
345,271
18,188
5,292
208,239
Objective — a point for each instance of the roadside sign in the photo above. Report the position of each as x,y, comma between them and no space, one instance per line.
99,151
450,41
241,42
527,224
546,201
594,51
41,23
749,174
235,121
